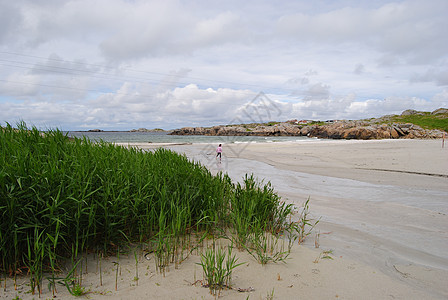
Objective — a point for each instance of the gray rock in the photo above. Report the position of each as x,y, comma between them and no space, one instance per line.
338,130
410,112
440,111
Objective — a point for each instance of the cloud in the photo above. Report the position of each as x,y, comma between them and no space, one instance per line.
206,104
349,107
42,114
317,91
359,69
298,81
152,28
11,20
411,28
323,109
30,86
170,29
13,86
174,108
57,65
222,28
440,100
172,79
437,75
311,72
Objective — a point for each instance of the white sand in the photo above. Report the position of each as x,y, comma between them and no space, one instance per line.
383,208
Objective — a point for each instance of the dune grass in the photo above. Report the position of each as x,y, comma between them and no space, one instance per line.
61,198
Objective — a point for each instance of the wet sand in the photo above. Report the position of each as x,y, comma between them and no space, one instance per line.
382,203
383,209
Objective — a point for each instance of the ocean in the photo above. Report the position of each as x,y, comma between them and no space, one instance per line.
163,137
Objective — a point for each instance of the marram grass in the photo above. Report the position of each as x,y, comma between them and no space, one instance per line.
61,197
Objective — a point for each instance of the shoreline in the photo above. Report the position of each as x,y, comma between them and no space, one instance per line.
363,160
387,231
329,158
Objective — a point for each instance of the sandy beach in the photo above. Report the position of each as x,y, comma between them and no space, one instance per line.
383,209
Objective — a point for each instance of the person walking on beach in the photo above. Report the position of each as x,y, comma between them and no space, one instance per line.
219,152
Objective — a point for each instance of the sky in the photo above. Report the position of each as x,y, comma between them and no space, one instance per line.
128,64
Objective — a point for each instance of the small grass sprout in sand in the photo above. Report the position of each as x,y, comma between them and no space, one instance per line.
270,295
326,254
305,225
78,290
218,267
136,266
266,247
69,281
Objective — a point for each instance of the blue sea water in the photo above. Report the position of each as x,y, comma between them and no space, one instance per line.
163,137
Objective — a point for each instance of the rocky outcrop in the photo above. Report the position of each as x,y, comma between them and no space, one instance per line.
147,130
339,130
410,112
380,128
440,111
350,130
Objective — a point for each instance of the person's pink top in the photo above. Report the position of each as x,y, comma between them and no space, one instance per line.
219,150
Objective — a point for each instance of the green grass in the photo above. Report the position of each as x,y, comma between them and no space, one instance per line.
218,268
425,120
61,198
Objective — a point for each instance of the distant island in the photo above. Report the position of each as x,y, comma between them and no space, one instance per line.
148,130
410,124
132,130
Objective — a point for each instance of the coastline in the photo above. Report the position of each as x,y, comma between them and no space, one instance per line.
387,231
365,160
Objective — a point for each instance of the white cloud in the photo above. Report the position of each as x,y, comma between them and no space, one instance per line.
225,27
177,107
317,91
348,107
441,99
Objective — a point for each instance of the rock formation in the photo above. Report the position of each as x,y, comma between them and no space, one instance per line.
362,129
147,130
337,130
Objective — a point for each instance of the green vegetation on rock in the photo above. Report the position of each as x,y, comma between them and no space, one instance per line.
426,120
